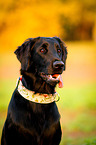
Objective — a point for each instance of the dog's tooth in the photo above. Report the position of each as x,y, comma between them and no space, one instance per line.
50,76
58,77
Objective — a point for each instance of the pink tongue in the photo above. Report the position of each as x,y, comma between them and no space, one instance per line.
61,82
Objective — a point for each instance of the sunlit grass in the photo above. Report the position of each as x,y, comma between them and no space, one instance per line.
80,97
79,141
6,89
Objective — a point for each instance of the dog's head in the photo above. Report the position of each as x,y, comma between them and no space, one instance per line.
43,57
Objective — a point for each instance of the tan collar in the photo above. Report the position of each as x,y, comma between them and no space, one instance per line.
37,98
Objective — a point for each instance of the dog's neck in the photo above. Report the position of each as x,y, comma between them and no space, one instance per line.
36,84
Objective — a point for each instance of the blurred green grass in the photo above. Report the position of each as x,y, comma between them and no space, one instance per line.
77,103
80,97
6,89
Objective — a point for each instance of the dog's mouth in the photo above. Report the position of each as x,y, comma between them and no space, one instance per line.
53,79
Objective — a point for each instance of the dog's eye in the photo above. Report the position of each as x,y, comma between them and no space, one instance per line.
43,50
59,50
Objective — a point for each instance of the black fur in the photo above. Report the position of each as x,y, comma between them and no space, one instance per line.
29,123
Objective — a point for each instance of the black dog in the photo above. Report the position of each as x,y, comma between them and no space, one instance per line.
33,123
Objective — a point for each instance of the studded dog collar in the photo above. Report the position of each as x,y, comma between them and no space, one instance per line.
36,97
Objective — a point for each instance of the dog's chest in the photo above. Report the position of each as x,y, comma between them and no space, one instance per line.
42,122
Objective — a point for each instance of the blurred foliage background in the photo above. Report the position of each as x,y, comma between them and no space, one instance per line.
74,21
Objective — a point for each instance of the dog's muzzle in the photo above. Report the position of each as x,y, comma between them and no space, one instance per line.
53,79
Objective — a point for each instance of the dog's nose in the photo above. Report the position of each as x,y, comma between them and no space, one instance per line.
58,64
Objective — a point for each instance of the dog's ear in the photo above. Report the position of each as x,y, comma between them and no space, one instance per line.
24,51
64,50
